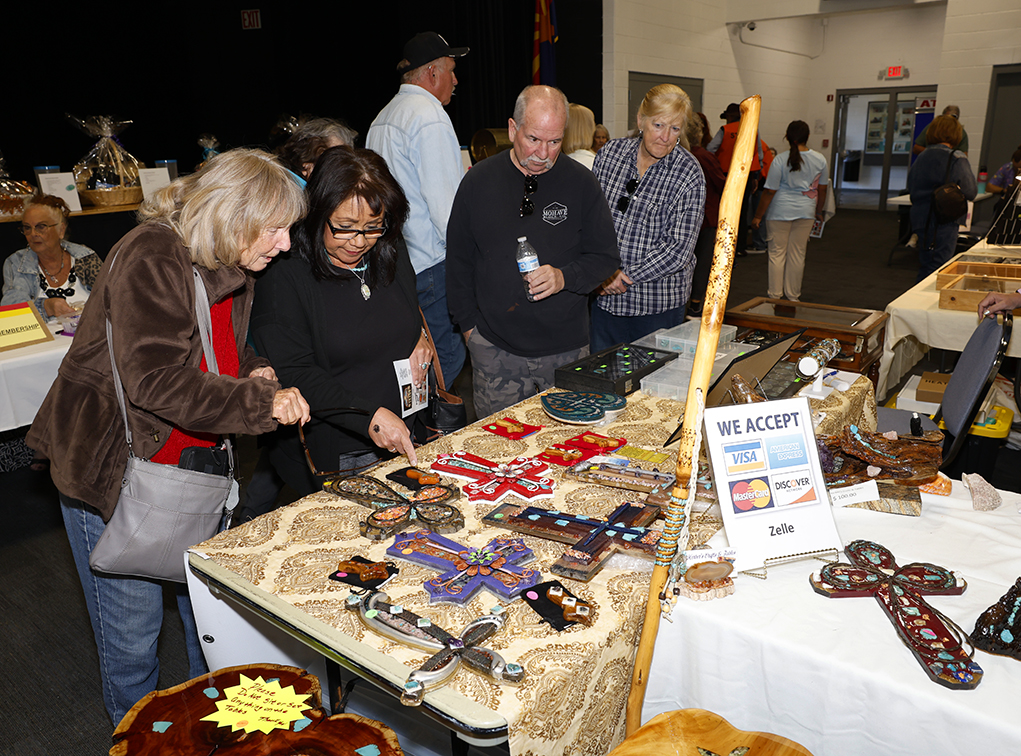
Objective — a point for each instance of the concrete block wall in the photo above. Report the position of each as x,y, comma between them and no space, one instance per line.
978,35
859,46
692,38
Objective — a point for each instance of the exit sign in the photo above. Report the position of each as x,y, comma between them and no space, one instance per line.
895,72
251,19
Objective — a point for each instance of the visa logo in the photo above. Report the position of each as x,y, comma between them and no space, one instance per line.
743,457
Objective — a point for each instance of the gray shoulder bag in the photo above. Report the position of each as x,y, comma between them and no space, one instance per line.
162,510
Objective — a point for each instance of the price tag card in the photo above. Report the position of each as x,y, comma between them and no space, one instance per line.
858,494
770,485
61,185
153,179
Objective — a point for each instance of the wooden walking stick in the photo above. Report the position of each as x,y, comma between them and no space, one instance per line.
679,506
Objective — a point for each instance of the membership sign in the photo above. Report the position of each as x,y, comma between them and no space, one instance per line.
770,485
21,325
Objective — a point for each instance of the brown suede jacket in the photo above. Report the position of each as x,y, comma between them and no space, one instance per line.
149,298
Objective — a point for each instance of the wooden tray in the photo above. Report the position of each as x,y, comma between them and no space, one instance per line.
994,270
964,292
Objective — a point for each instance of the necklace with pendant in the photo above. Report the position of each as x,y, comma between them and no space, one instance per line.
53,276
360,275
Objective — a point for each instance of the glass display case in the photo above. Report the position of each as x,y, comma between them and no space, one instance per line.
859,331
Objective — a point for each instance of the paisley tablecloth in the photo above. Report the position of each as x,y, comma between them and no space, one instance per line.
573,697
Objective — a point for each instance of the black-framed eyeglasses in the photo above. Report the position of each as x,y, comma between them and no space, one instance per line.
531,187
630,187
39,228
346,234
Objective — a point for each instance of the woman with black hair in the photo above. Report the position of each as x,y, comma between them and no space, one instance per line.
794,197
337,314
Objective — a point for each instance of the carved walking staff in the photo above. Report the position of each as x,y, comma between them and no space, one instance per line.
679,504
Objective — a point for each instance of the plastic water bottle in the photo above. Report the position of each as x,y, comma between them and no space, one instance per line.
528,260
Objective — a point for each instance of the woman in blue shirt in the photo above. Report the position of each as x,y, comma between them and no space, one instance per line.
793,197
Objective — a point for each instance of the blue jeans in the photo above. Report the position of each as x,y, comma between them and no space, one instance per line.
943,247
609,330
431,285
126,615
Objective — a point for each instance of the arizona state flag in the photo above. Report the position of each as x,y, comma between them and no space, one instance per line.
544,57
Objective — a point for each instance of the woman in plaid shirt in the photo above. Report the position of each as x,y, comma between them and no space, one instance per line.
656,193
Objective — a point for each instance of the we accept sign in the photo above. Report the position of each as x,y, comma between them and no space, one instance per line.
772,493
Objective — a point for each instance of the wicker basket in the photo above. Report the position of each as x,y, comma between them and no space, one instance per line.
121,195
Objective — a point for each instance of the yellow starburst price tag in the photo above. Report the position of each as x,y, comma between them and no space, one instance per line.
258,705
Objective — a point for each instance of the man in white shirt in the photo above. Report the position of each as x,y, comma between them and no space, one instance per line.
414,135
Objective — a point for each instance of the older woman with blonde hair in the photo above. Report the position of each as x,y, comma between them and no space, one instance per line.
657,196
581,128
224,222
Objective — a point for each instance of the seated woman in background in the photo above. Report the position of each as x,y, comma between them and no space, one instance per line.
336,314
792,200
939,164
581,128
600,138
310,140
50,271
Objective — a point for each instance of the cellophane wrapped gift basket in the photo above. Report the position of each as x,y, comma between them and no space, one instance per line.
108,174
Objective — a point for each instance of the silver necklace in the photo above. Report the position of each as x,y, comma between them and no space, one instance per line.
53,276
365,290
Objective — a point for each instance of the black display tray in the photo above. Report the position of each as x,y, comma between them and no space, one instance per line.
617,370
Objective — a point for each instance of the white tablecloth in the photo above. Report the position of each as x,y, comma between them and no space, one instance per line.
916,323
832,674
26,374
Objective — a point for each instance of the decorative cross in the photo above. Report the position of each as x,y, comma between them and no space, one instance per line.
427,507
592,540
394,621
492,481
582,407
467,570
934,639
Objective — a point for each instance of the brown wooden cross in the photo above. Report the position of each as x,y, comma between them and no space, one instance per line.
592,541
934,639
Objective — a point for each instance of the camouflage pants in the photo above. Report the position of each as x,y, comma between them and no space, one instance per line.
502,379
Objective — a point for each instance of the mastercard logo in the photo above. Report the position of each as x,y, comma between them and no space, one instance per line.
750,494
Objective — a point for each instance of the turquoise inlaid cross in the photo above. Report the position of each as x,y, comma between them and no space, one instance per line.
934,639
592,540
466,570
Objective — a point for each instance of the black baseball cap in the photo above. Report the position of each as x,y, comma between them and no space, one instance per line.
426,47
732,109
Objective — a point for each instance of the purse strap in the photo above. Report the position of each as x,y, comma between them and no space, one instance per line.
932,202
435,366
205,327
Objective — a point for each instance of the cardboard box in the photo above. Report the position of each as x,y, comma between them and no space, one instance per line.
907,399
931,387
